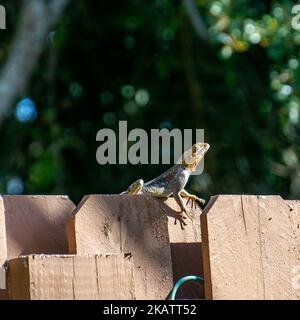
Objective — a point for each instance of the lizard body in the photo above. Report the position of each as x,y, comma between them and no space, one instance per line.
173,181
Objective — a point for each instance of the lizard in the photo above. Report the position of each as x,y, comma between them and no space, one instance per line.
173,181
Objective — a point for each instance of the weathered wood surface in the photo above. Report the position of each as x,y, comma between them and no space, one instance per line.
68,277
251,245
186,250
143,226
32,225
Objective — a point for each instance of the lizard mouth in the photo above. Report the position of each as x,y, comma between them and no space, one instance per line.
193,157
207,146
200,149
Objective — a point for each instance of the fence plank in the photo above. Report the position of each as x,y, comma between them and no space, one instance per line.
186,250
33,224
69,277
250,246
128,224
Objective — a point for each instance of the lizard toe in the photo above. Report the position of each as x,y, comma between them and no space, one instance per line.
190,216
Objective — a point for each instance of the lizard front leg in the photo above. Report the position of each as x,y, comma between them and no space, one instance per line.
185,194
182,206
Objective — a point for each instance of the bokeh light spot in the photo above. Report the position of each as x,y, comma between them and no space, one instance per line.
226,52
249,28
15,186
166,125
127,91
294,115
109,118
286,90
216,8
142,97
130,107
76,89
293,63
278,12
255,37
26,110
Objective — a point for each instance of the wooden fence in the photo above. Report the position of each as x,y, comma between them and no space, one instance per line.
129,247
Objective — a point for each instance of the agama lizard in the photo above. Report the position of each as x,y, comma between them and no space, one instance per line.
173,181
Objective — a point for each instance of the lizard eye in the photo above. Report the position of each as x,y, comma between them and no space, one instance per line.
194,149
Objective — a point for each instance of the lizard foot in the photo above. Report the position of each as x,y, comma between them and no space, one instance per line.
188,214
196,200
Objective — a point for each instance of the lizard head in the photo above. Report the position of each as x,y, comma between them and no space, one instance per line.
192,157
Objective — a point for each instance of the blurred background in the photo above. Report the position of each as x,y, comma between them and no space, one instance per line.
70,68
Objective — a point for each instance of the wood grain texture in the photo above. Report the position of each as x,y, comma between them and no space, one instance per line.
3,242
250,246
36,224
32,225
115,277
127,224
186,250
69,277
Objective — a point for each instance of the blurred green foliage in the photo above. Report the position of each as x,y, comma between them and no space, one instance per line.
143,62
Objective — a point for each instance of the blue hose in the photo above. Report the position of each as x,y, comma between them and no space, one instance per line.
181,281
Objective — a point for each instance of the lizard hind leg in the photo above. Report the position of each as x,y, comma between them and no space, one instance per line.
136,187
